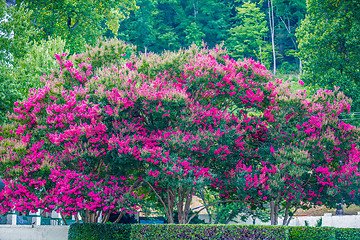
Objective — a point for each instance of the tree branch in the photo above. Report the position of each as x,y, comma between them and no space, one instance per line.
162,202
119,217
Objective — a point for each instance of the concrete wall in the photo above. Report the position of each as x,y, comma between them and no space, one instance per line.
342,221
24,232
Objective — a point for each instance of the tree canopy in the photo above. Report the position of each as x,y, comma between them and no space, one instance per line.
78,22
108,123
329,46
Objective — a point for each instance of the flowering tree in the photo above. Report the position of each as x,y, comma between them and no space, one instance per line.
173,124
308,156
53,153
175,129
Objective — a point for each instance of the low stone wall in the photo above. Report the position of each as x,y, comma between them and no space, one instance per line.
340,221
25,232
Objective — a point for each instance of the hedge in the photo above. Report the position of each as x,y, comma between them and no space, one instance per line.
95,231
208,232
311,233
347,233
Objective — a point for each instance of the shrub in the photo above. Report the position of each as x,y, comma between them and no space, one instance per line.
94,231
170,231
347,233
309,233
162,232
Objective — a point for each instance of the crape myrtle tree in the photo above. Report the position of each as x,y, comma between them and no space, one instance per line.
179,119
239,120
54,149
109,123
90,137
308,156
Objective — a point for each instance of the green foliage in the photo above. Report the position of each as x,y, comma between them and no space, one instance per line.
39,60
20,74
288,17
347,233
16,31
311,233
194,34
247,33
139,27
168,25
329,46
78,22
105,53
93,231
8,92
166,231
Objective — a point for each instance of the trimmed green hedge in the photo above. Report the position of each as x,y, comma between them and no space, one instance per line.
347,233
311,233
202,232
94,231
206,232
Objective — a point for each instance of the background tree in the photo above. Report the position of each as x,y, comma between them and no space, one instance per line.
193,34
16,32
272,31
39,60
77,22
248,33
288,17
329,46
174,24
139,28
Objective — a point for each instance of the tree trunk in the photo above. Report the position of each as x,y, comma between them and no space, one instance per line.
205,204
106,218
170,217
169,207
272,31
274,211
184,210
287,208
77,218
291,215
63,218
